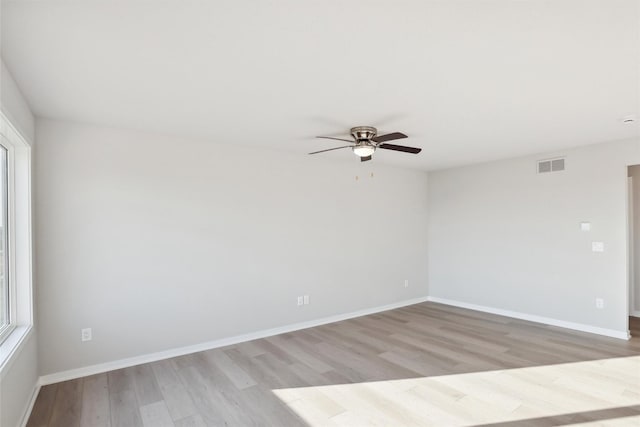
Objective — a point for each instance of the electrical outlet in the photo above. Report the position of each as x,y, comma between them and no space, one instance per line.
300,301
85,334
599,303
306,300
597,246
406,283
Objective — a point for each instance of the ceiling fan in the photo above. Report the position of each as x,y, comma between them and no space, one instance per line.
366,141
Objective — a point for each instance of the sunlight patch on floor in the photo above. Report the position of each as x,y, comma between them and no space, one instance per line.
476,398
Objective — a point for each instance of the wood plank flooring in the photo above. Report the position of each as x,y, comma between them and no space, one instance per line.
422,365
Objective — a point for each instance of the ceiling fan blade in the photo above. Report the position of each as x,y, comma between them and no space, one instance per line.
389,137
365,159
331,149
402,148
337,139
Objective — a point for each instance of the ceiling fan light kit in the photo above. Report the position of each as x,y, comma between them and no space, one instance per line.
366,141
363,150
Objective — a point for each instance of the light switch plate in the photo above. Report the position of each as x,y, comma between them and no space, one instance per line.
585,226
597,246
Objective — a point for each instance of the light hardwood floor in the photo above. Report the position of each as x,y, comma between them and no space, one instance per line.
423,365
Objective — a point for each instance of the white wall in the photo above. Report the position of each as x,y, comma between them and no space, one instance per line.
14,106
635,175
502,236
19,384
160,242
18,380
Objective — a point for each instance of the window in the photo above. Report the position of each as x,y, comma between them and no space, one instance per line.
6,293
16,297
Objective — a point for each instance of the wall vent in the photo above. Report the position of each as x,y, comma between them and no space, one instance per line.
551,165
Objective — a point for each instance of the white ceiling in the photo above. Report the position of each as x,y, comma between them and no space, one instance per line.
468,81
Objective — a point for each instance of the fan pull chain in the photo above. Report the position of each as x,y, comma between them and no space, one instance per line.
358,177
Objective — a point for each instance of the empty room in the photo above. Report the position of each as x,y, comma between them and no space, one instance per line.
319,213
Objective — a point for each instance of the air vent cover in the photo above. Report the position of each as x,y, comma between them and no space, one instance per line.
551,165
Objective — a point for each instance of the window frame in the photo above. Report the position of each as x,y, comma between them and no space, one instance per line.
20,243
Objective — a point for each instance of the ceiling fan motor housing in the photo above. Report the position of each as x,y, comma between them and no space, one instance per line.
365,133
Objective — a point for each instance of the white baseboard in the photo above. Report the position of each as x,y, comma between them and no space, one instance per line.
29,408
624,335
635,313
153,357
